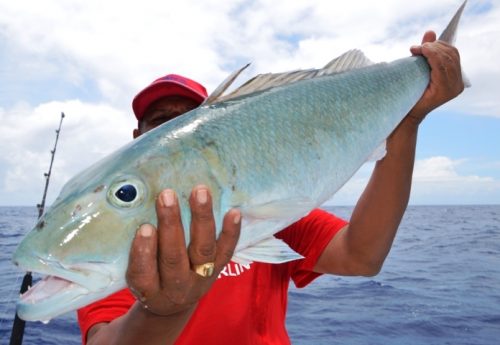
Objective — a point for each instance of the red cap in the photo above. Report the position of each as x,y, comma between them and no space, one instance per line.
169,85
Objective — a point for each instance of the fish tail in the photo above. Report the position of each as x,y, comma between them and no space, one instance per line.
450,33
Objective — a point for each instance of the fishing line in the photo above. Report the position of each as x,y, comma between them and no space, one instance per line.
9,298
16,337
7,302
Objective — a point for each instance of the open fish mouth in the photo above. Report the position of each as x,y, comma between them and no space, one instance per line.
48,287
60,292
50,297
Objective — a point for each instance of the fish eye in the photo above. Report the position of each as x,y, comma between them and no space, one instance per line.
126,193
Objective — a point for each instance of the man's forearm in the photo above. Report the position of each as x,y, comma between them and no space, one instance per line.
379,211
139,326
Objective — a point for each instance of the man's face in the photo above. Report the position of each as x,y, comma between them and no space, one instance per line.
163,110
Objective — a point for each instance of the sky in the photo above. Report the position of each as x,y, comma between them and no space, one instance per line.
89,58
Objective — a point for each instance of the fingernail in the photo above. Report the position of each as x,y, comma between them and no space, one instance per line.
168,198
237,218
146,230
202,196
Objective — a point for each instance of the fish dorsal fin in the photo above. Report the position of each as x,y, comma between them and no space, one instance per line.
350,60
266,81
213,97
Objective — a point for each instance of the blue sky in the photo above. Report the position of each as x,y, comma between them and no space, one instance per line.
89,58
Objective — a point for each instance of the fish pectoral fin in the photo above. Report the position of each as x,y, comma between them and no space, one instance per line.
278,209
261,221
271,250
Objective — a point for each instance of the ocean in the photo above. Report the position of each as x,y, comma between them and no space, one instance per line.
440,285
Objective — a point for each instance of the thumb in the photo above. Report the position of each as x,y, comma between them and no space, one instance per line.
429,36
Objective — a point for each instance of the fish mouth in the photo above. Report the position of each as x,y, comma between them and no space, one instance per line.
67,288
44,290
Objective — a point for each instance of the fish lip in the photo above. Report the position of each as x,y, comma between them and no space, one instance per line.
88,275
26,298
57,298
65,288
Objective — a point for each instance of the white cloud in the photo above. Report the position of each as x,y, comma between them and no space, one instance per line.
125,49
478,43
436,169
121,46
89,132
436,180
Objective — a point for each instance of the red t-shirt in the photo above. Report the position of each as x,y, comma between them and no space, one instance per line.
247,303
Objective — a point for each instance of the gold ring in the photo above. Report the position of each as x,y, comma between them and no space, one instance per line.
205,270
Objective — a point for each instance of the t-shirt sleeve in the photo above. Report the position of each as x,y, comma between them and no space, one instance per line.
105,310
309,237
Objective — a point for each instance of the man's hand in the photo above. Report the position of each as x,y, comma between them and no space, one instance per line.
160,271
446,75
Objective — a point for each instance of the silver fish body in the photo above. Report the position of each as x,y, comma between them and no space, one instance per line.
276,154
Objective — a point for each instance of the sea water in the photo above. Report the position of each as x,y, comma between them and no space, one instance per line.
439,285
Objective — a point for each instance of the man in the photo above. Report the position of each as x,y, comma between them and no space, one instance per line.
195,295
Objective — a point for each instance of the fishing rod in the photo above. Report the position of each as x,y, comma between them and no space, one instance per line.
16,337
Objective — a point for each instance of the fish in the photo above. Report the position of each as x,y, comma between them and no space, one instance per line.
277,147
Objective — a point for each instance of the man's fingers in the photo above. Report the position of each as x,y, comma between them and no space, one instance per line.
446,78
429,36
445,67
228,238
172,257
142,274
202,246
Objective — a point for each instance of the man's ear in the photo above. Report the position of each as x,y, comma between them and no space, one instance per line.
136,133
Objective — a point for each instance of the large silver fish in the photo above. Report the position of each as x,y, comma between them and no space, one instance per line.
276,148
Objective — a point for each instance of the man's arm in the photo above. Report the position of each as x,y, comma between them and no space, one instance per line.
362,246
160,275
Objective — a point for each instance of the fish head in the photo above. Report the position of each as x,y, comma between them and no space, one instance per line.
82,242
